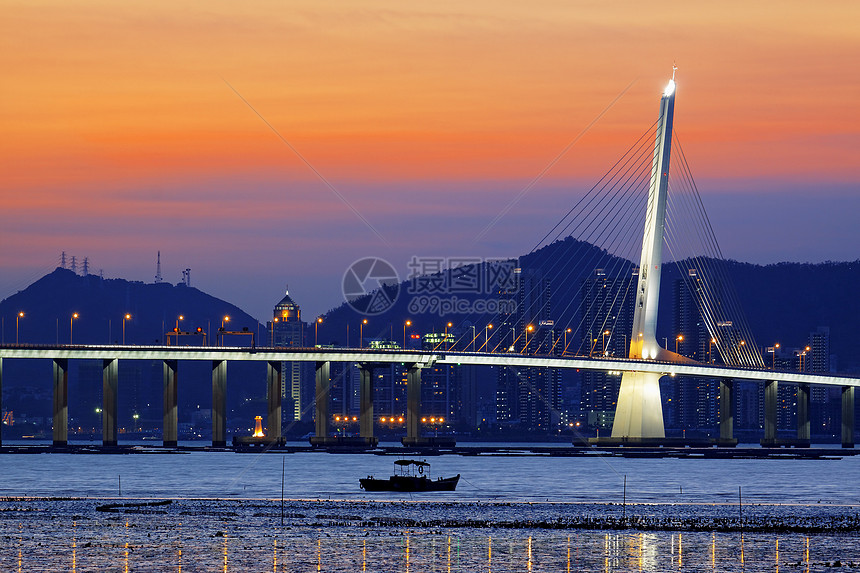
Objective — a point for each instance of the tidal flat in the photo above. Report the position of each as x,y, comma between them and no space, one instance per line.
207,534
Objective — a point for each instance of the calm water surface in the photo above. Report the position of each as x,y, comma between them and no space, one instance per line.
484,478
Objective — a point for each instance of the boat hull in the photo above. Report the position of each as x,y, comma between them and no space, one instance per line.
409,484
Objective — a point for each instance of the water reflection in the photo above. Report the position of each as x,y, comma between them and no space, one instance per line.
74,548
157,544
125,568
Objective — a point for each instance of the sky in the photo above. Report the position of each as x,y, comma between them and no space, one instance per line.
130,128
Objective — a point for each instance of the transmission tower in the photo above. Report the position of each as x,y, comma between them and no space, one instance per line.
158,268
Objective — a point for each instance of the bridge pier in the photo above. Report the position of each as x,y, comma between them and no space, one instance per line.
771,388
413,404
219,403
727,414
365,392
61,401
848,416
170,425
639,411
803,429
274,389
322,419
110,375
1,400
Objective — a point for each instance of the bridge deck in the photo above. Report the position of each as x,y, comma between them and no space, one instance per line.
366,355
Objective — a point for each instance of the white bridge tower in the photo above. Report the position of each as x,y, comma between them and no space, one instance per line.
639,411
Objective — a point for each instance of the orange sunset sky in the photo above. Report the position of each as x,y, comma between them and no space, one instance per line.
121,135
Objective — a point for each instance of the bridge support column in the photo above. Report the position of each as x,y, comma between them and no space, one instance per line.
170,425
770,400
219,403
413,404
803,433
110,374
1,400
848,416
365,391
639,413
274,389
61,401
322,419
727,414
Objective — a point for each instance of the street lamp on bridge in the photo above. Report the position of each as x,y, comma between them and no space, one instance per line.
679,338
125,317
17,317
487,336
529,328
71,326
361,332
316,326
773,350
405,324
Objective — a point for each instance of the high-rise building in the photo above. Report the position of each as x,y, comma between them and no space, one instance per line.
529,397
696,400
607,324
287,329
448,390
825,405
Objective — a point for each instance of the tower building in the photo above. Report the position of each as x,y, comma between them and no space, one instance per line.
607,303
287,329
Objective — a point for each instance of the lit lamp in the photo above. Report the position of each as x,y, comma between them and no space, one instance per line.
17,316
529,328
258,427
71,325
125,317
361,332
316,325
405,324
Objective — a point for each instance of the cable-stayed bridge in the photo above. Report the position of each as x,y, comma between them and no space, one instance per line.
615,320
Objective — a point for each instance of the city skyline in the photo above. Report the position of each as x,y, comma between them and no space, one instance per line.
124,137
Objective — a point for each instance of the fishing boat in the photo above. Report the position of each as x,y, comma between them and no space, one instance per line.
410,476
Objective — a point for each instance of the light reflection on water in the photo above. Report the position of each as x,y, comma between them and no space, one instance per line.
145,543
244,532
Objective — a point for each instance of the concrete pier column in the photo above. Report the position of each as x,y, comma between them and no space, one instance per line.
275,386
848,416
770,401
727,415
169,430
413,404
365,391
322,420
110,375
219,403
61,401
1,399
803,432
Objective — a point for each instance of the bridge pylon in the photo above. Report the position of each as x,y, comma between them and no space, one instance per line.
639,410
